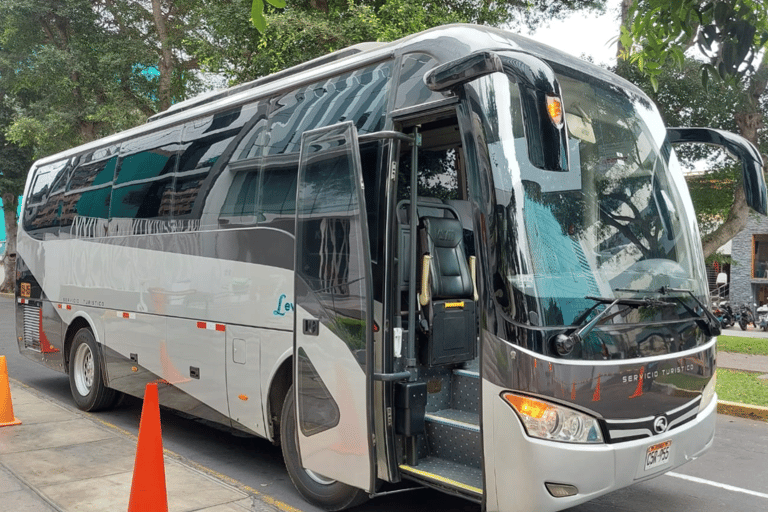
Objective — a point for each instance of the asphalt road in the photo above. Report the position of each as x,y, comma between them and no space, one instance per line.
733,475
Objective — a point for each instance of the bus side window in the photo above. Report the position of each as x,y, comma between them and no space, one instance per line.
43,206
143,183
359,96
86,203
411,89
205,142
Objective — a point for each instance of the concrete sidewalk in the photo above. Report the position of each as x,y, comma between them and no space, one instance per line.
61,459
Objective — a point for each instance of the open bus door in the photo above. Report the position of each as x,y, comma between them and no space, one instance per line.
334,324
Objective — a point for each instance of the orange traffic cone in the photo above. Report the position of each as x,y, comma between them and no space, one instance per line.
6,405
148,487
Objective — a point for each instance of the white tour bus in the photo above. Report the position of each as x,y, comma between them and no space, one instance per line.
462,259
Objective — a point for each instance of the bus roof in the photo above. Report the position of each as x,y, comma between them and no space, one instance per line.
445,43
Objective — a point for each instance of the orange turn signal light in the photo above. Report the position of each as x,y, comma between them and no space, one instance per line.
555,110
526,406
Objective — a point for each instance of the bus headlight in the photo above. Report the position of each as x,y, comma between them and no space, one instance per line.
708,393
554,422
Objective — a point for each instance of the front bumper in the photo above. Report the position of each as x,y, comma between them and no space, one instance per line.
521,465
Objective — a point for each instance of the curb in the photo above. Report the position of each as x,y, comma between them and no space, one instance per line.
751,412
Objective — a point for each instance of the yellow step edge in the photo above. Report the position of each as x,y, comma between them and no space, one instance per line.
441,479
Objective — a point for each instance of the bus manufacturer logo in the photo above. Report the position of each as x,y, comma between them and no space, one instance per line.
660,424
26,289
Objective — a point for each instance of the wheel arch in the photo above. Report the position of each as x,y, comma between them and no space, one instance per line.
279,384
80,321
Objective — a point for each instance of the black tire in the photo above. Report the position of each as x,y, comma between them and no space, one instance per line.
743,324
329,495
86,380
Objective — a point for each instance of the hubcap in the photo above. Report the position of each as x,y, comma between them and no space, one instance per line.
83,369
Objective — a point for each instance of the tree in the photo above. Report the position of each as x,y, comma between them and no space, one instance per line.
732,37
306,29
14,164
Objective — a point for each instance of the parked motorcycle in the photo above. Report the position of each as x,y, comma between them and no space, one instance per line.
744,317
762,317
724,314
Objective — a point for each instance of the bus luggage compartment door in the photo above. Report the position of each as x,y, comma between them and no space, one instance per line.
333,329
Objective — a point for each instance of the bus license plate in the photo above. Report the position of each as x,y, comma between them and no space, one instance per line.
657,455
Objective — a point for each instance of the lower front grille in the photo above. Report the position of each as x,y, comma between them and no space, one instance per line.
628,430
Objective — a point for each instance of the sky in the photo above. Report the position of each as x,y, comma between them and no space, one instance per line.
585,34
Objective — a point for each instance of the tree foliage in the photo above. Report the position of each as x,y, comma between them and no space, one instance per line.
729,33
81,69
14,163
732,36
306,29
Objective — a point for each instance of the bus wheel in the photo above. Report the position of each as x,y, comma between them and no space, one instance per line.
85,378
320,491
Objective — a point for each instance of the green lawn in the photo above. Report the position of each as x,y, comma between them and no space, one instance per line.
742,345
742,387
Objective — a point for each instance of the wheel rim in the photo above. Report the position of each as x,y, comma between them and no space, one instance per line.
83,369
319,478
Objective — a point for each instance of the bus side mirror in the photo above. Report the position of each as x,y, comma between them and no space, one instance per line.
738,147
460,71
540,95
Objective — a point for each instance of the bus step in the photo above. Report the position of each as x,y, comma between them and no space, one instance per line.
466,391
445,474
455,418
454,436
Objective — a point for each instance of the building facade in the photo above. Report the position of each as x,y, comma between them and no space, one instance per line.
749,273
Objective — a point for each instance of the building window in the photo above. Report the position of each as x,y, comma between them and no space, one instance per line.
760,256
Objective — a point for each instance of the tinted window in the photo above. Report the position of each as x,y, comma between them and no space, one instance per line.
88,194
45,201
204,142
143,185
358,96
411,90
261,195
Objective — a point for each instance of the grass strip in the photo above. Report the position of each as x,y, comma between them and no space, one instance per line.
743,345
741,387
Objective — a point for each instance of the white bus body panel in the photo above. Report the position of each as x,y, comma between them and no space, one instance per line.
160,294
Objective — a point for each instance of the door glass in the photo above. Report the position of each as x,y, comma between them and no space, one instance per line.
332,266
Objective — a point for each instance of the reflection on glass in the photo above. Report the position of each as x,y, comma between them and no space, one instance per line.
614,223
760,256
332,262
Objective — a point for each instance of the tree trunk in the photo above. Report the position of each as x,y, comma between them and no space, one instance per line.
734,223
625,5
750,121
10,205
165,66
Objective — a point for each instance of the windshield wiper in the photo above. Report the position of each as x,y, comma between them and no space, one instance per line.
709,322
565,343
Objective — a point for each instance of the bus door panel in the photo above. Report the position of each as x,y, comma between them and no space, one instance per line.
243,382
333,331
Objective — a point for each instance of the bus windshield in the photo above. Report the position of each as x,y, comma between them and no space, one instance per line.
617,224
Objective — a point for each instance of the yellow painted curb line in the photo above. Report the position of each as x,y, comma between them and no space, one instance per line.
752,412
